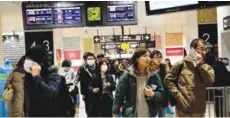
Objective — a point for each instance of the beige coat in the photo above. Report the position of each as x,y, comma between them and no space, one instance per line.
16,105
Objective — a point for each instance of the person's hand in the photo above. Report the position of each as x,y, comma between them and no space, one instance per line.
35,70
95,90
149,91
71,88
115,116
108,84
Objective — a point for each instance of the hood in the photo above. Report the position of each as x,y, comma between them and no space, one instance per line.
134,72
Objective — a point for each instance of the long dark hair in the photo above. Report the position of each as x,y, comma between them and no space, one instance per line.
20,65
137,54
98,70
170,64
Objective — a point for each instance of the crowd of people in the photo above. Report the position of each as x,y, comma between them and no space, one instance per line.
146,85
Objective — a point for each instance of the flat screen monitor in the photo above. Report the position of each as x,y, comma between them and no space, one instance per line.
39,16
158,7
120,13
68,15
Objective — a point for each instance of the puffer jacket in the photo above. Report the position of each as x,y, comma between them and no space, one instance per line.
126,93
190,85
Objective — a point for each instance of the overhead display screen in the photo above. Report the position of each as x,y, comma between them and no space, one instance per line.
159,7
39,16
118,13
156,5
68,15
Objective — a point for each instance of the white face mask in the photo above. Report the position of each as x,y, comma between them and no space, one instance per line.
104,68
90,62
66,69
193,54
27,65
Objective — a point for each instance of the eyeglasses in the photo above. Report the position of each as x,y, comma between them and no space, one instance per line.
158,57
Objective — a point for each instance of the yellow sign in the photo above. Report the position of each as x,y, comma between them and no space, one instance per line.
94,13
125,46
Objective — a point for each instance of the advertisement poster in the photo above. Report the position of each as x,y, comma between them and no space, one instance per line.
74,56
175,51
173,39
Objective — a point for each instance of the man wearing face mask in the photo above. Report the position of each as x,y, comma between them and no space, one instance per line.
43,88
187,81
84,76
70,77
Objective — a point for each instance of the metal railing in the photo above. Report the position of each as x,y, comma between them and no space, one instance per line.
217,102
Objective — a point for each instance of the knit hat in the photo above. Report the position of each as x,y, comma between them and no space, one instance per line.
37,54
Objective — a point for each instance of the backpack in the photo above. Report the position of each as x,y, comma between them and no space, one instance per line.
172,100
67,105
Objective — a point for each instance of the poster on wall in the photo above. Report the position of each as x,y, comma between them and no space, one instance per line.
173,39
74,56
10,38
58,57
71,43
44,38
174,51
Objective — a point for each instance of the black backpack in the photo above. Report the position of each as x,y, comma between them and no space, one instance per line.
67,105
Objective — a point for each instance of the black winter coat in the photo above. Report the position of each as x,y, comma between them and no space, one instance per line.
42,96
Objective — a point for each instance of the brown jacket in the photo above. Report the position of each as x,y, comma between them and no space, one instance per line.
16,105
190,86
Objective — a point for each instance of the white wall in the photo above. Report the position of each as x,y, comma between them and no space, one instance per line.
222,44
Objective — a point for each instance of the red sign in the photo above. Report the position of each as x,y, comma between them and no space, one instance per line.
174,51
72,55
75,68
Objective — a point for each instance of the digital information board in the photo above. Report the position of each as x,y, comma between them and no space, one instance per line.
68,15
118,13
39,16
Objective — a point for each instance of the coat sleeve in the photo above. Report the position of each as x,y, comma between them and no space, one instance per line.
112,84
50,88
159,92
207,74
170,80
120,92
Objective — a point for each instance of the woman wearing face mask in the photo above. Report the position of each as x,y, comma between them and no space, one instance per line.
102,87
70,77
138,89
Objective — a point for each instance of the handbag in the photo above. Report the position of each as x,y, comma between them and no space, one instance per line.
8,92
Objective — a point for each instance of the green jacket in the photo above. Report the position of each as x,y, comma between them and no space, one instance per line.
126,94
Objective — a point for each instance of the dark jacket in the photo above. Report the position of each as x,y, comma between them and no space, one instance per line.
97,83
163,69
84,75
95,98
42,95
126,91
